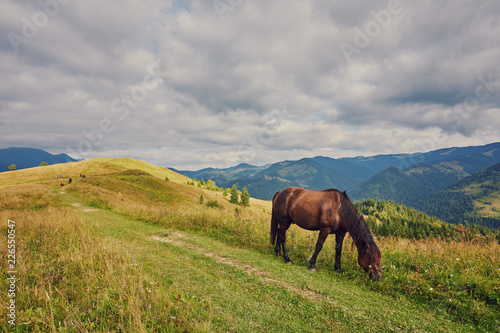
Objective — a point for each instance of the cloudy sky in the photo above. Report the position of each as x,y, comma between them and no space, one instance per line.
191,84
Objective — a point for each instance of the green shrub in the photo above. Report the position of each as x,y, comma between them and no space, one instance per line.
213,204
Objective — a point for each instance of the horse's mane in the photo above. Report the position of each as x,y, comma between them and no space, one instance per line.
359,228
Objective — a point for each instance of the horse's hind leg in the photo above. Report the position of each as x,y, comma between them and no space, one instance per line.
323,233
339,239
277,248
282,240
285,254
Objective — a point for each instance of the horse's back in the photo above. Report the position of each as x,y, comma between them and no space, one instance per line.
307,208
293,195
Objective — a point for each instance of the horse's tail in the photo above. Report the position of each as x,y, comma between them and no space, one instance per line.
274,223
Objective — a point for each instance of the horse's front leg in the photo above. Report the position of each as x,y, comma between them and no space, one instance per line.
339,239
323,233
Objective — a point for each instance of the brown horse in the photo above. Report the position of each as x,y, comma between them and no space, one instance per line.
330,212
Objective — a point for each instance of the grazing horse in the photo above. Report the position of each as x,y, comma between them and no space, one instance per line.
70,180
330,212
62,184
59,176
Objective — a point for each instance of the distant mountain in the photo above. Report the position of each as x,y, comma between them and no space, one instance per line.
440,169
380,163
410,185
263,182
312,173
28,157
223,177
404,178
474,199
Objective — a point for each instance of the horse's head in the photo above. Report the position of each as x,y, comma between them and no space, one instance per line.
369,259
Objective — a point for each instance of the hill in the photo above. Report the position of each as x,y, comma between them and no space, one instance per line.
29,157
405,178
441,169
125,249
474,199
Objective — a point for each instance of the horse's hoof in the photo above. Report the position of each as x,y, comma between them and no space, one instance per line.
339,270
289,262
312,269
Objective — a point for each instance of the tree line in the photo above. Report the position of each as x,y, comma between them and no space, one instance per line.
236,197
386,218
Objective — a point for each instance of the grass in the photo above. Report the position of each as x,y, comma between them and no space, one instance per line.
70,281
489,207
487,203
127,251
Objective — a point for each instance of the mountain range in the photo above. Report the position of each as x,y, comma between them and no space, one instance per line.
403,178
24,158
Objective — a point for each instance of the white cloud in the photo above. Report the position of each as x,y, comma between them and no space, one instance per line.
181,87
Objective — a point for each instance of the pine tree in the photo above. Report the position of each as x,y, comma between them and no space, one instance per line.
234,195
245,197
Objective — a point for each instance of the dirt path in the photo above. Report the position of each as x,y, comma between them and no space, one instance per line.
177,239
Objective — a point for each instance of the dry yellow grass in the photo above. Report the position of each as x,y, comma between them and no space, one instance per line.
69,280
95,166
50,172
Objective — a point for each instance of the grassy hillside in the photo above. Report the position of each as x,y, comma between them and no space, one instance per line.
126,250
474,199
484,189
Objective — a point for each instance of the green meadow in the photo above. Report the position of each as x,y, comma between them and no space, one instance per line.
132,248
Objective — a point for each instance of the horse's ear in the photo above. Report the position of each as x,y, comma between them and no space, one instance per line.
344,193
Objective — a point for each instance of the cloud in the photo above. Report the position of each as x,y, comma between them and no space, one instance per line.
188,85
